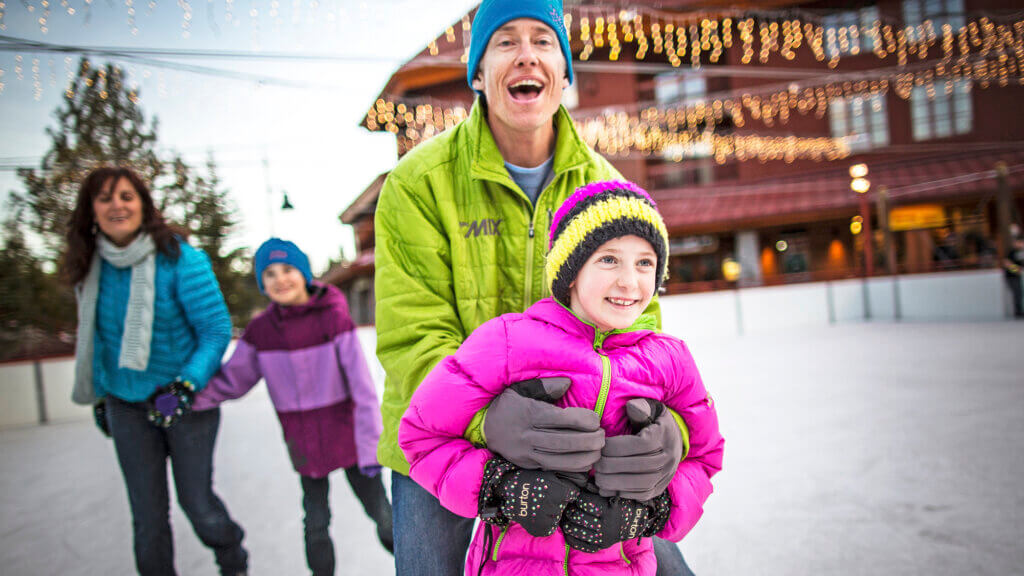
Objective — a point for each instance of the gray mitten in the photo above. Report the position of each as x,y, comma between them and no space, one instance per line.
524,427
641,465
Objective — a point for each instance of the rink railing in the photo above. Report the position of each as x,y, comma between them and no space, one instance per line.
38,392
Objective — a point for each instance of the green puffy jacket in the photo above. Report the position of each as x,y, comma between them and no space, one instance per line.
459,243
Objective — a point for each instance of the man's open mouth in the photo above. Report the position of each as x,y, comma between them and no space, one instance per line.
525,90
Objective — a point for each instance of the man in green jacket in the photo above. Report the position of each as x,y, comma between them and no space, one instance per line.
461,229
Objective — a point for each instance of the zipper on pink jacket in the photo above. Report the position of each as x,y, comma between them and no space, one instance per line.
602,398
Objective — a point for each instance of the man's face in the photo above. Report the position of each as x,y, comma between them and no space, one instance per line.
522,74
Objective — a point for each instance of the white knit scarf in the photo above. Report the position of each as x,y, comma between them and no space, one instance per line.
140,255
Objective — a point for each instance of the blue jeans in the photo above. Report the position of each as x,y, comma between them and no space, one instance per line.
431,541
142,451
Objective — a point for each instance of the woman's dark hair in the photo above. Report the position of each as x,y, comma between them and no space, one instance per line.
81,232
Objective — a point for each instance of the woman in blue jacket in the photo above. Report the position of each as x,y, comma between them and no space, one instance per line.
152,327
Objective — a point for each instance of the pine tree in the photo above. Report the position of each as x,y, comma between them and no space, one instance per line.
100,123
205,210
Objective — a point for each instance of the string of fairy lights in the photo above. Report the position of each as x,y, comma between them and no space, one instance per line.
651,128
986,50
331,14
701,38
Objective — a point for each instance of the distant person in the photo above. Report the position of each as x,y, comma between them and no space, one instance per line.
456,245
609,252
1012,269
947,253
305,346
152,327
986,255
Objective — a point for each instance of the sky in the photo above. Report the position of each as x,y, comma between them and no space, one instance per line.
303,138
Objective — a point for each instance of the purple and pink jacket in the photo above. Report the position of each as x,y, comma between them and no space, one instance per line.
607,370
317,378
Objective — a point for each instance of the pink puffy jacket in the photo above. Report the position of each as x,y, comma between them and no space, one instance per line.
549,340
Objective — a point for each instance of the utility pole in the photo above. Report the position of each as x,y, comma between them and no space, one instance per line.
1003,209
860,184
882,207
270,193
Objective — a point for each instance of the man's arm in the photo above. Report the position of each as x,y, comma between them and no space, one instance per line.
416,317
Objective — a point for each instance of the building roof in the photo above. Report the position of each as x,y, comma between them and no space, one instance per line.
365,203
813,196
363,265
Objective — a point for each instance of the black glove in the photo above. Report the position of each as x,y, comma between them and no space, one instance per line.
169,403
594,522
99,414
641,465
534,499
525,428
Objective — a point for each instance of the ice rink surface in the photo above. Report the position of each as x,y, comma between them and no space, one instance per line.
886,449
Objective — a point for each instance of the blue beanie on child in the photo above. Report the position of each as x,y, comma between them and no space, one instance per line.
275,251
494,14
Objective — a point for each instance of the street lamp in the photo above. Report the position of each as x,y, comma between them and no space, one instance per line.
860,184
731,270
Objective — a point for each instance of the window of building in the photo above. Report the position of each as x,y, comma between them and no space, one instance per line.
941,110
671,88
939,12
850,31
689,170
863,120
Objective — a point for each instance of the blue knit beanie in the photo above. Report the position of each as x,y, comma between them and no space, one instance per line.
494,14
275,251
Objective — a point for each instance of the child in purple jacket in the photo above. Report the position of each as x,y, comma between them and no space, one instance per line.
305,346
658,439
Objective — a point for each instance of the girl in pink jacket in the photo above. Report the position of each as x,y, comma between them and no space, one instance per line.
608,257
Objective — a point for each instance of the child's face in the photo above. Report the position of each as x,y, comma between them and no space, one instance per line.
284,284
616,284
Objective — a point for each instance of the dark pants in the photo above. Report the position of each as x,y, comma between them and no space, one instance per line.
315,503
421,550
1016,295
142,450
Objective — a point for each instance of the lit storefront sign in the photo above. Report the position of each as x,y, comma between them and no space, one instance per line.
916,217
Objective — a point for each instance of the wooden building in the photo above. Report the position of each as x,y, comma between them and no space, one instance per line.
743,122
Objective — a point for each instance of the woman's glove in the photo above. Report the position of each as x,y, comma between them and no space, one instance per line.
594,522
99,414
169,403
524,427
640,466
534,499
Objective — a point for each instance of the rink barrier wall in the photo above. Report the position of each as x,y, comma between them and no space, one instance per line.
39,392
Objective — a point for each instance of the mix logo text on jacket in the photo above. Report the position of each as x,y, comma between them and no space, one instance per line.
485,226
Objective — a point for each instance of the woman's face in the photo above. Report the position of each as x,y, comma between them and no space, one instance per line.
118,211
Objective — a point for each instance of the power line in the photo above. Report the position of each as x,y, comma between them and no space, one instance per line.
10,44
25,45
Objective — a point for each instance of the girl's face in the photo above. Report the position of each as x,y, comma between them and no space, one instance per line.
118,211
285,285
616,284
